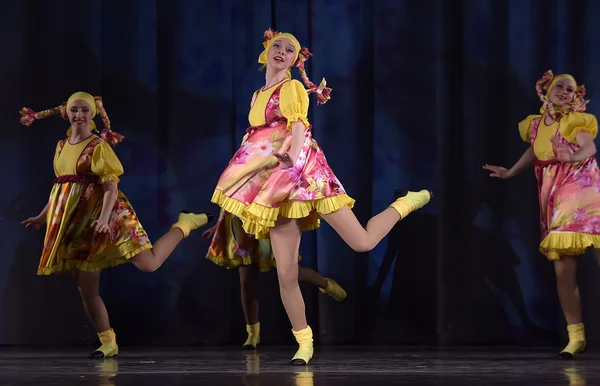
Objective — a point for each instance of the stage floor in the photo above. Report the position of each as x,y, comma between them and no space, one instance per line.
332,366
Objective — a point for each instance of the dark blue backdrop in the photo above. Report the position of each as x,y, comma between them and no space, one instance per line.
424,93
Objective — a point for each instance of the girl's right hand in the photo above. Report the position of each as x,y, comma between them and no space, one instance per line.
209,233
284,159
498,171
35,222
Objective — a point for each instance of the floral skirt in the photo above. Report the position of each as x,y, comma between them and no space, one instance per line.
71,244
569,195
258,190
232,247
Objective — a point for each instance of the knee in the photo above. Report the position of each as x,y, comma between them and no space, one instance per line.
148,268
145,266
288,276
362,245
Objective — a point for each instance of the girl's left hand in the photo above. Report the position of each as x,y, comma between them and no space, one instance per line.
101,226
562,152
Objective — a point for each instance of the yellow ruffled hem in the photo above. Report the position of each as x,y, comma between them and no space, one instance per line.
72,266
558,244
293,118
263,264
258,219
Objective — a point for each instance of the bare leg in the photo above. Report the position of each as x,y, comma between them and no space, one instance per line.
285,241
249,292
326,285
88,283
360,239
568,292
308,275
345,223
249,295
570,301
597,252
150,260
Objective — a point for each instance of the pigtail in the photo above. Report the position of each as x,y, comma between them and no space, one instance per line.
28,116
323,93
107,134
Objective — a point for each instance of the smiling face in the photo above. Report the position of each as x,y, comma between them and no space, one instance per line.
80,114
562,93
282,54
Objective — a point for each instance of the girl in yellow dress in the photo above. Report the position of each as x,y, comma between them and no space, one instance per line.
562,151
90,223
279,182
231,247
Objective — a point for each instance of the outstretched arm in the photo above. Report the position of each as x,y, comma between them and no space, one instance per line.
44,211
38,220
523,163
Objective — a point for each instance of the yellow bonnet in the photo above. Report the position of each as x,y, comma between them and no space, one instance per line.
80,95
270,38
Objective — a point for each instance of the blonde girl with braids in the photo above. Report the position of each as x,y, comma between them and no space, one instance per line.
279,182
90,224
562,151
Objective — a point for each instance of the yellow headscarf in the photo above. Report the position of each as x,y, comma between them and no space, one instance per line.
559,77
28,116
84,96
263,58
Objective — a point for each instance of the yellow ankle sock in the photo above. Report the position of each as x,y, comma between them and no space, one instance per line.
109,346
334,290
576,341
188,222
306,350
411,202
253,335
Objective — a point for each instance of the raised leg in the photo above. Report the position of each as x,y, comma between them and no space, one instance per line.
151,259
363,239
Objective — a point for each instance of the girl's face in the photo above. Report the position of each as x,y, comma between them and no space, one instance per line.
80,114
281,54
562,93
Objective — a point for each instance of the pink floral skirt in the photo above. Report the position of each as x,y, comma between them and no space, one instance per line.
258,190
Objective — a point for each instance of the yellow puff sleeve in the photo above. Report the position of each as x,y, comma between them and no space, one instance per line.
575,123
293,103
525,127
105,163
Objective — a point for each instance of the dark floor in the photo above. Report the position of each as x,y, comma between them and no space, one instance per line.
268,366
